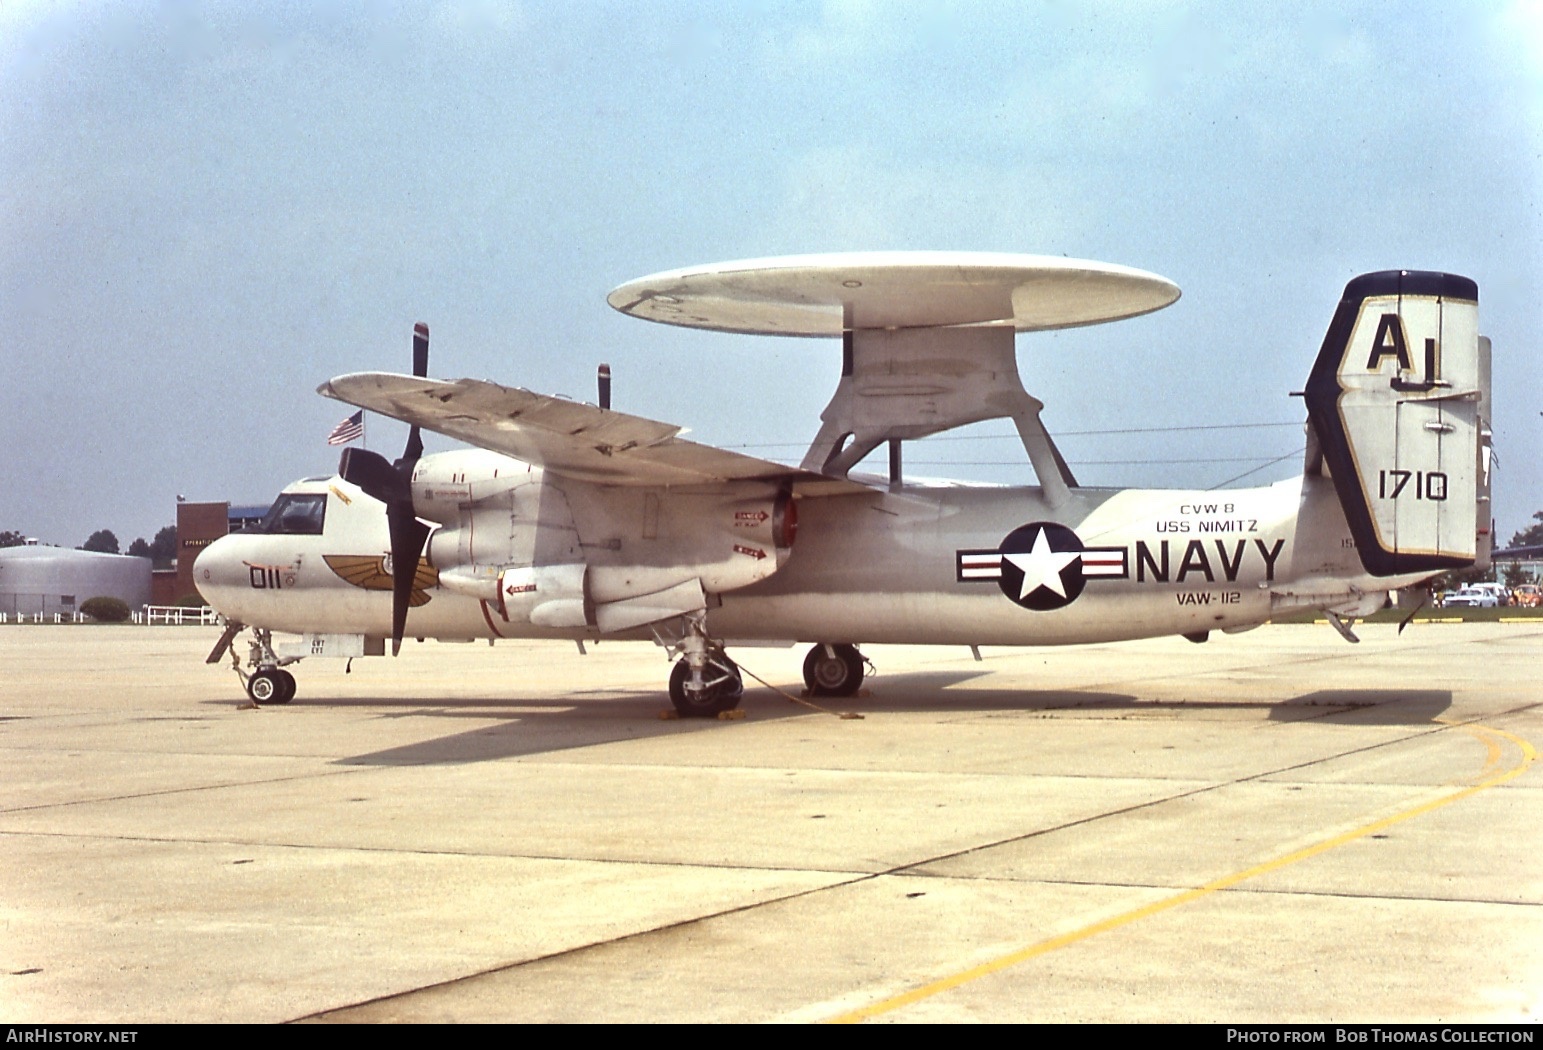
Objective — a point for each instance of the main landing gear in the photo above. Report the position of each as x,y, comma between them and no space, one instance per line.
704,682
829,670
833,670
718,690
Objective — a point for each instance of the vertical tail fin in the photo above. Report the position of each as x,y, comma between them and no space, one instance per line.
1399,401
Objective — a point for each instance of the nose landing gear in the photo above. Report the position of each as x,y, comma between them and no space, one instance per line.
272,686
268,683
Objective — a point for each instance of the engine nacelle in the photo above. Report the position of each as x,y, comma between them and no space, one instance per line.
545,595
729,538
563,553
446,483
499,518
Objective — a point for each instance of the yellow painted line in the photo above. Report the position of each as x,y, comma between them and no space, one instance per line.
1485,736
926,991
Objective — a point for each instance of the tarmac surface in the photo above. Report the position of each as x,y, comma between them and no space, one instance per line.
1274,826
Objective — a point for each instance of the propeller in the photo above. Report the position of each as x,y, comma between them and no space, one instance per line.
391,483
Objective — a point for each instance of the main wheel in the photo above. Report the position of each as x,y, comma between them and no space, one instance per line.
837,672
722,687
287,687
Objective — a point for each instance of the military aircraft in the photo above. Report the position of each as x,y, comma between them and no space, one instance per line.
573,521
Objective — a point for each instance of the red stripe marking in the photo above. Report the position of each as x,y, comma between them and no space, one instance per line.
489,617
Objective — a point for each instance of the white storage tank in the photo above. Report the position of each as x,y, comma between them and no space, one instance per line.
52,580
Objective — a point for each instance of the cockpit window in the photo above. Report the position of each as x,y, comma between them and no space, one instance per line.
296,514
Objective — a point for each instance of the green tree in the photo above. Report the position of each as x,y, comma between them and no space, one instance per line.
11,539
163,549
139,549
1451,581
102,541
1532,535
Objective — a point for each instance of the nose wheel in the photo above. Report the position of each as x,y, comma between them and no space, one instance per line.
273,686
269,683
718,690
833,670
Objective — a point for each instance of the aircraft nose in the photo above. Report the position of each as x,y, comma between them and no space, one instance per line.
213,572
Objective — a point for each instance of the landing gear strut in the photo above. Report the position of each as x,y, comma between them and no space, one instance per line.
704,682
268,683
720,689
833,670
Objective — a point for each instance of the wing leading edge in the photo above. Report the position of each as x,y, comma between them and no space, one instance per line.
565,437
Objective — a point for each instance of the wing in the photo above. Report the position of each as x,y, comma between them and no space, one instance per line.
565,437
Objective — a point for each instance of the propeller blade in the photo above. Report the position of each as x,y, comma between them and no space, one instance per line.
414,450
411,454
391,483
372,473
1406,621
407,537
420,350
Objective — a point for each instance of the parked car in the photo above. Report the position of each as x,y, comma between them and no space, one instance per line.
1528,595
1501,592
1472,598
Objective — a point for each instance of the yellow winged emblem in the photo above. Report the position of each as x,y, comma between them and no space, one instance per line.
369,571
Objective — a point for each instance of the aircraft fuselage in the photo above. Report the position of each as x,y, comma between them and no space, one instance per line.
919,563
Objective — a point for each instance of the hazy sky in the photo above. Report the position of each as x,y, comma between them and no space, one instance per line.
206,209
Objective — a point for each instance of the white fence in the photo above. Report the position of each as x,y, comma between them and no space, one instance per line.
179,615
74,617
174,615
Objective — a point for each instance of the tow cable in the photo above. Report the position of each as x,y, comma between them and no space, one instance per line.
798,699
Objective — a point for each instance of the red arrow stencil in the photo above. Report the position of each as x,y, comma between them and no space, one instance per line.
755,552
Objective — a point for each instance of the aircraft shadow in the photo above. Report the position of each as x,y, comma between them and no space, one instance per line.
1390,707
545,725
1361,706
531,725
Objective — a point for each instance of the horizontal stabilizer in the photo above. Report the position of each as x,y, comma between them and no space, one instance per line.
565,437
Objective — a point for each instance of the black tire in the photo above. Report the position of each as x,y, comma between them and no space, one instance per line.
724,688
838,675
266,687
287,693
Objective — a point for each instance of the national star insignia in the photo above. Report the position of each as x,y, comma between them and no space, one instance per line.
1042,566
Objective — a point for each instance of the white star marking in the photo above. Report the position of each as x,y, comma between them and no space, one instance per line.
1042,566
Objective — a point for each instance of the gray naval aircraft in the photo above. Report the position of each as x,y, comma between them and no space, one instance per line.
573,521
